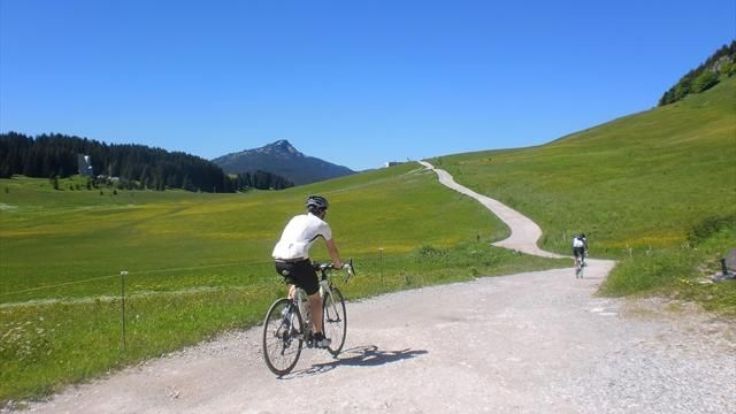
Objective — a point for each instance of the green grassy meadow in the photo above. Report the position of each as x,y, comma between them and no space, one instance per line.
656,190
199,264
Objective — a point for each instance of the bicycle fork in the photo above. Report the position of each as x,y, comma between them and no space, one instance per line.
325,291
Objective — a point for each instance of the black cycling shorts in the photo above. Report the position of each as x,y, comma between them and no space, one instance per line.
300,273
578,251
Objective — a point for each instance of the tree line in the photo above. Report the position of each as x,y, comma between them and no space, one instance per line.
135,166
262,180
721,64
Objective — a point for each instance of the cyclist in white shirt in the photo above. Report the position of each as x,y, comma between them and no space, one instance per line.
291,256
579,246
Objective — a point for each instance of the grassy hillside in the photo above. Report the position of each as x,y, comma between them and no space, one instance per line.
642,187
200,263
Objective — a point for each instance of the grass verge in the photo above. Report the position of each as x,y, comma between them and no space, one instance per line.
683,272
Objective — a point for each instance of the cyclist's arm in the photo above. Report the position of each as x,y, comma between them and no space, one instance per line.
334,254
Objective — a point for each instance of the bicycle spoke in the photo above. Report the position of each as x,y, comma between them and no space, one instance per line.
282,342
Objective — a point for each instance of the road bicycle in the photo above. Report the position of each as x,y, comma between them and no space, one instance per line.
579,265
287,327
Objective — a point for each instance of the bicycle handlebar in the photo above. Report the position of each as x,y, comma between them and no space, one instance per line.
347,267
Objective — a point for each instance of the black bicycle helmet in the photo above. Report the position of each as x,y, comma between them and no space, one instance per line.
317,202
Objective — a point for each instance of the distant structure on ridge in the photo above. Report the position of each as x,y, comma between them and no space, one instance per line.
84,164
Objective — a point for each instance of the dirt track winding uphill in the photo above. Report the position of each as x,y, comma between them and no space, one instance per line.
524,232
531,342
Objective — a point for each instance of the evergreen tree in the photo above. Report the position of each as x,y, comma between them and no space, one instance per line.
705,80
705,76
136,166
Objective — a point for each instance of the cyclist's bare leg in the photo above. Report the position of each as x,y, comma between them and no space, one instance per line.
315,310
292,292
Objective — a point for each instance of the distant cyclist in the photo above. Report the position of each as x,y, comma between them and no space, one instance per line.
580,247
291,256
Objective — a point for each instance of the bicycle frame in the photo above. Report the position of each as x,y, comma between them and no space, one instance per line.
301,299
325,285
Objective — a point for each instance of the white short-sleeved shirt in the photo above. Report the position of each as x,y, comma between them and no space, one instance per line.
299,235
578,242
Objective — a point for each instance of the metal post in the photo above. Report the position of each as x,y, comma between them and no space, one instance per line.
122,308
381,250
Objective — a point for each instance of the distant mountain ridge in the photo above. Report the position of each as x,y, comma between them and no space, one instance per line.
281,158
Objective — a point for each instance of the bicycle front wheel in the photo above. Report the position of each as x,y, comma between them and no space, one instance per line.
282,337
334,320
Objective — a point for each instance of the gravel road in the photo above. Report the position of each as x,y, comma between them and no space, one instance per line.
538,342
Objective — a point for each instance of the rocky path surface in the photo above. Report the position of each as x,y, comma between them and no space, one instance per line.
537,342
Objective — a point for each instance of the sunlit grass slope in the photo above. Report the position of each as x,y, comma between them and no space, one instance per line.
639,186
200,263
176,239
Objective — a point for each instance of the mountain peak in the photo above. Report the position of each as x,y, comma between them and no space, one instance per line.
282,143
281,158
280,147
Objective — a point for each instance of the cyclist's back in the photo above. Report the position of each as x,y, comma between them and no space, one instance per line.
299,235
579,246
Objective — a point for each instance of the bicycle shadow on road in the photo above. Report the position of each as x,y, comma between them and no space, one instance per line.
361,356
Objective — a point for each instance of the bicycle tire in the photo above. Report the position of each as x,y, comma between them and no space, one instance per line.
282,336
334,320
578,270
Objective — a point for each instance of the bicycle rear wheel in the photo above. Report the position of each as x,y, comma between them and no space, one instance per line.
282,337
334,320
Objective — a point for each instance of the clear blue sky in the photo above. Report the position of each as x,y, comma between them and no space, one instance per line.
357,83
